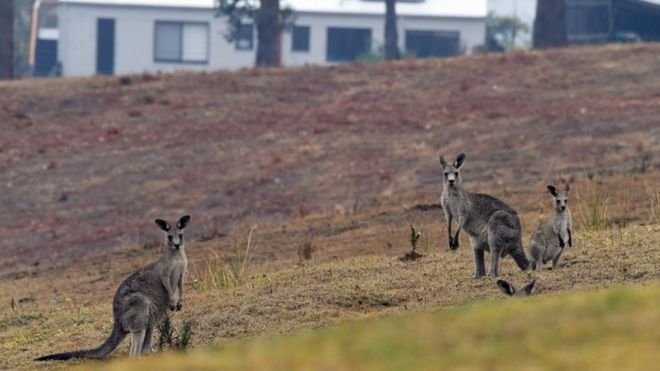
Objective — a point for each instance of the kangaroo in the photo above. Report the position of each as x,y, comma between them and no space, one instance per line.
142,300
509,290
549,240
491,224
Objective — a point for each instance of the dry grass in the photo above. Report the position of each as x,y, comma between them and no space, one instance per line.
323,294
219,271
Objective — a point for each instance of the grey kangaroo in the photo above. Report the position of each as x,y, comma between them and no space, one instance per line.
490,224
550,239
142,300
509,290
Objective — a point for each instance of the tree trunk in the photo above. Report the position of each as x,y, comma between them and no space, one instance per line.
550,24
269,34
6,39
391,34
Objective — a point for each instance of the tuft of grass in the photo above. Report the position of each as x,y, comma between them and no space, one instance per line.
653,195
219,272
168,337
593,206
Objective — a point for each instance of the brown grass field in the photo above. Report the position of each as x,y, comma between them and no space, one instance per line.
333,165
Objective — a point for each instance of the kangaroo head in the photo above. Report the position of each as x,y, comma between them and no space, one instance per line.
560,198
509,290
452,172
174,237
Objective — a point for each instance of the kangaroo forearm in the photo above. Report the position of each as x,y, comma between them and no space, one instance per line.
570,238
449,220
561,241
180,287
168,287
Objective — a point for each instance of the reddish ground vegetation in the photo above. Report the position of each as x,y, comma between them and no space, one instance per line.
87,164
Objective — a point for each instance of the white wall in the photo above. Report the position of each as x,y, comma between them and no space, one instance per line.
472,32
134,37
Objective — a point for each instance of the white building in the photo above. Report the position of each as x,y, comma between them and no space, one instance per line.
134,36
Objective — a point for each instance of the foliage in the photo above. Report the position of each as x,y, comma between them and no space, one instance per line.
377,54
170,338
240,11
505,30
414,238
221,272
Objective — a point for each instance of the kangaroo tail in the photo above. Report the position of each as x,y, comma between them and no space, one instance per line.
116,336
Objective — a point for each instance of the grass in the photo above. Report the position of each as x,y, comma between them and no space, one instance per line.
358,140
169,337
613,329
286,301
219,272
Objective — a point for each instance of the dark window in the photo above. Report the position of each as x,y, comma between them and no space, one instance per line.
346,44
426,44
180,42
300,39
245,37
587,20
46,57
105,46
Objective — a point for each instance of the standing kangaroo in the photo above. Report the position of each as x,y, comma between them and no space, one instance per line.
142,300
490,224
549,240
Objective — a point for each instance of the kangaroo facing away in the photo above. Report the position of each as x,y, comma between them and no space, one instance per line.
142,300
550,239
509,290
490,224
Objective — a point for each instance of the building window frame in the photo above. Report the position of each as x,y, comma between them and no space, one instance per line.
304,45
333,57
244,37
181,58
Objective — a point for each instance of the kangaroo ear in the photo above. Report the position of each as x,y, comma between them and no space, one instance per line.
459,160
183,222
506,288
443,163
552,190
567,188
163,225
529,288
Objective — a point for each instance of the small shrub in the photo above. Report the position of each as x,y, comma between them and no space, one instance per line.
414,238
170,338
221,272
593,206
653,197
305,251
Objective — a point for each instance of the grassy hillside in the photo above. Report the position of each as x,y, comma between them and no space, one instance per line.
267,146
71,309
334,165
613,329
